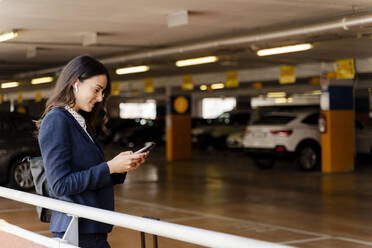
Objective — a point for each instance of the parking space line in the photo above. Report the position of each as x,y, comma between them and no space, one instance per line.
320,236
327,237
154,205
4,211
305,240
184,218
354,240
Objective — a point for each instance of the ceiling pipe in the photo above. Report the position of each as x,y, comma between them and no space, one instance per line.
343,24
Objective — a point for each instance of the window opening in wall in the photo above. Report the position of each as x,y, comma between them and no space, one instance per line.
145,110
213,107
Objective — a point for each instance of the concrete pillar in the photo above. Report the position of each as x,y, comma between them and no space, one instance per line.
338,143
178,128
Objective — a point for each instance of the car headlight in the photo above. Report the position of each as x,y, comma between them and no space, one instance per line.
197,131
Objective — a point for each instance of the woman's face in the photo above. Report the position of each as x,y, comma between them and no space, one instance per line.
90,91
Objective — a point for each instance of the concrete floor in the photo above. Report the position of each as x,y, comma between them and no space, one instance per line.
223,191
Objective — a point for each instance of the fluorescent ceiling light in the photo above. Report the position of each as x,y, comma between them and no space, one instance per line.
42,80
196,61
134,69
315,92
284,49
217,86
276,94
8,36
203,87
280,100
9,85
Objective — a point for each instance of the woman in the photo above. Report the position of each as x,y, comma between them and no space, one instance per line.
74,163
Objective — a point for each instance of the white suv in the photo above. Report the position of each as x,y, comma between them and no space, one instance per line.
283,135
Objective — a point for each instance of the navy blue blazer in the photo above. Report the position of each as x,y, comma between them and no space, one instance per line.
76,170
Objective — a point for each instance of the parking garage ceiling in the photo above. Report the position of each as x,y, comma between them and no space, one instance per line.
52,32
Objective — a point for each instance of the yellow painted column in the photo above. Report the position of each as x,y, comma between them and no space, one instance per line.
338,142
178,129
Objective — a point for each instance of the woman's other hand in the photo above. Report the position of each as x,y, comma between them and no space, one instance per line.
126,162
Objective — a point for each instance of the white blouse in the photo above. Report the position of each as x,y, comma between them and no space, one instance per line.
80,119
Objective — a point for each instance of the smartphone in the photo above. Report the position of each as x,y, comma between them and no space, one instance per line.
146,148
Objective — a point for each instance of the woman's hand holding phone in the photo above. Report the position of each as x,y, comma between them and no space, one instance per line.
148,146
126,162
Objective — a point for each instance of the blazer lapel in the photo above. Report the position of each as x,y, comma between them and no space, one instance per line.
77,125
80,128
96,141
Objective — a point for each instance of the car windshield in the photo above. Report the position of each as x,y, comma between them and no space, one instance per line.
273,120
232,118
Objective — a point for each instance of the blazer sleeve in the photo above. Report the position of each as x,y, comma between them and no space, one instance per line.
118,178
55,146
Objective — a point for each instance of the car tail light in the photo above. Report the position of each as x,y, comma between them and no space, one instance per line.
283,133
280,149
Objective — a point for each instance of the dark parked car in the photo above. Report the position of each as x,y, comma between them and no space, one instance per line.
212,133
112,127
136,132
16,142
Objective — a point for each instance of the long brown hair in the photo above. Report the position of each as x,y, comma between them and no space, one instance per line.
79,68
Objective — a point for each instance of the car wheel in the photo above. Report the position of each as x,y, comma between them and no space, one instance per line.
264,163
308,157
20,175
204,143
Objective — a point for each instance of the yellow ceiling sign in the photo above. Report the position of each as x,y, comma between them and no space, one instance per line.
345,69
115,91
257,85
149,85
287,75
21,109
315,80
20,97
135,93
38,96
187,83
331,75
232,80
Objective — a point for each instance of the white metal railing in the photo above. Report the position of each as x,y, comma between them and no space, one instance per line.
173,231
33,237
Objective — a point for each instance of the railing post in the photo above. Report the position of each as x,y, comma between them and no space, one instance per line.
143,240
72,232
154,237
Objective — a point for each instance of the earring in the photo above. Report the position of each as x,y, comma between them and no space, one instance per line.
76,87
